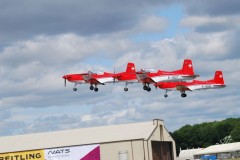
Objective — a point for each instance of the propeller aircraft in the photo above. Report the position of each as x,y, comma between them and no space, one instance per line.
94,78
151,76
215,83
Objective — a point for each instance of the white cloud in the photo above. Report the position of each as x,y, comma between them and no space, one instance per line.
195,21
151,24
205,24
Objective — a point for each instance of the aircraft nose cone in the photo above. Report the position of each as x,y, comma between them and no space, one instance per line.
65,77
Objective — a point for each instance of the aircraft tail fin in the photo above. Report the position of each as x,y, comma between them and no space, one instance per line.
218,78
187,67
130,67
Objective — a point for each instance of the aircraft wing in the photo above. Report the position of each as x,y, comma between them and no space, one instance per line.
97,80
105,80
191,77
183,88
143,77
196,87
87,77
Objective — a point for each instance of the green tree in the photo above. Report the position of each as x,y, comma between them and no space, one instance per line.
236,134
206,134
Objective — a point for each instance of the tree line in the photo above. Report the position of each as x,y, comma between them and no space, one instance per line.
207,134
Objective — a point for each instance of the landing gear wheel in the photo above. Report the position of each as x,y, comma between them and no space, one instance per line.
165,95
145,87
125,89
91,88
184,95
148,89
74,89
95,89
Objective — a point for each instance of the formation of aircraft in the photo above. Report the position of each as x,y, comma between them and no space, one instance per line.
166,80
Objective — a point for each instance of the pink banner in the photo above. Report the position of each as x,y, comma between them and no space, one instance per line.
92,155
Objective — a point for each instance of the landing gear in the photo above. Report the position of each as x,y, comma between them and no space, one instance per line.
184,95
126,89
75,88
91,87
95,89
166,95
146,88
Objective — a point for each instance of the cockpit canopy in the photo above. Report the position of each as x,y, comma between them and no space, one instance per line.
96,72
148,70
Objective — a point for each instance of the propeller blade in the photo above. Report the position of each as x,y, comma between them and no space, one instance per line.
114,78
65,80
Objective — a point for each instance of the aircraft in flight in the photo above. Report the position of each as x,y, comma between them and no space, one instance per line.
94,78
129,76
150,76
215,83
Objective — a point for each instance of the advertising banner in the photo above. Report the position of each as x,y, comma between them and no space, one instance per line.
86,152
29,155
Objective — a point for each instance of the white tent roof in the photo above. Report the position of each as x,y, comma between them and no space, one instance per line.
82,136
189,152
221,148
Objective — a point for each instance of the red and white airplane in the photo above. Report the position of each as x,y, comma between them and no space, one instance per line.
94,78
129,76
215,83
149,76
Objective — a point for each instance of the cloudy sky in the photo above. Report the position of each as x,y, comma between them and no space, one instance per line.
42,40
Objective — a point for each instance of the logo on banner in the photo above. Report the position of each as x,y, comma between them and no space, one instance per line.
59,151
84,152
30,155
